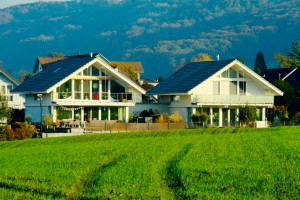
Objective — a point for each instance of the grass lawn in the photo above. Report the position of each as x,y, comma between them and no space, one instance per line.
183,164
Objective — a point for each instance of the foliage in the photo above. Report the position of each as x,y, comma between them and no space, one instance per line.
18,131
247,115
163,118
202,57
241,59
182,164
28,118
144,113
47,120
5,110
24,75
260,64
280,112
296,118
292,59
175,118
289,96
133,118
200,117
128,70
147,86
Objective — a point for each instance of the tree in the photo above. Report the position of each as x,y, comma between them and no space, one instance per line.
292,59
202,57
247,115
56,54
24,75
5,111
241,59
289,96
260,64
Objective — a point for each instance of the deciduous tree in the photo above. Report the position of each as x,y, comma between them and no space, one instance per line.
292,59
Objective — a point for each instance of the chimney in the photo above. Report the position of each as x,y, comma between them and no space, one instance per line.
91,54
218,57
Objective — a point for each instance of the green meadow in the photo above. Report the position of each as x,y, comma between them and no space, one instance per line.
224,163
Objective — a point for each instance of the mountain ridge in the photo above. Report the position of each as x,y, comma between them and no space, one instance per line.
160,35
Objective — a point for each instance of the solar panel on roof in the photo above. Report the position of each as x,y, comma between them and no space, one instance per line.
188,77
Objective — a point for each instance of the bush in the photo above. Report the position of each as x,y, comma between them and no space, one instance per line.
18,131
163,118
296,118
175,118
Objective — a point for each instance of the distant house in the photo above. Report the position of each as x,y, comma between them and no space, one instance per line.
15,101
218,88
79,88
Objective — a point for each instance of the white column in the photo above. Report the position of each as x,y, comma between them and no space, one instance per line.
82,115
220,117
211,115
228,117
54,113
193,110
108,113
73,89
126,114
263,114
237,115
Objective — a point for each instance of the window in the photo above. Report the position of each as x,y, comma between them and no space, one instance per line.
77,89
64,91
225,74
233,87
95,71
86,89
216,87
232,73
242,87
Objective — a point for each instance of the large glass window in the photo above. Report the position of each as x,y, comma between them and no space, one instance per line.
95,89
104,89
242,87
64,91
95,113
64,114
77,89
86,89
95,71
232,73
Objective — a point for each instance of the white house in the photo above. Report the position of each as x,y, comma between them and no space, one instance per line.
218,88
80,87
7,84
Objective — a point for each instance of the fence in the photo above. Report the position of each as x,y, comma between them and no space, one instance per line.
115,126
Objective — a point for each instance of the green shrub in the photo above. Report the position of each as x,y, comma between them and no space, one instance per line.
175,118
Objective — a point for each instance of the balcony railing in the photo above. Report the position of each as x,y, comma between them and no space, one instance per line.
231,99
104,96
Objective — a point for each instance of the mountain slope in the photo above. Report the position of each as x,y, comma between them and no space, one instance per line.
159,35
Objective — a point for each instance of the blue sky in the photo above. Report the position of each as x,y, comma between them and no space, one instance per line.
8,3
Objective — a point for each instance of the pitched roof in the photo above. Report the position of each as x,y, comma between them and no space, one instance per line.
52,74
44,61
9,76
188,77
136,65
272,75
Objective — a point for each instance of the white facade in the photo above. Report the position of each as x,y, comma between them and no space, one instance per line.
7,83
95,91
223,93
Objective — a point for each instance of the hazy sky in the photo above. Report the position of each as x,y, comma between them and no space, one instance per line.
7,3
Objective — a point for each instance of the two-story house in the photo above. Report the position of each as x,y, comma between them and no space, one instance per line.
218,88
80,87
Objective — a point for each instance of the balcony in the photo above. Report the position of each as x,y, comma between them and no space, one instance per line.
103,97
231,100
